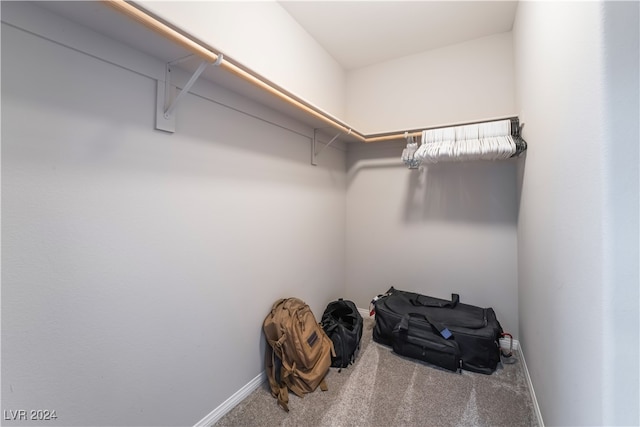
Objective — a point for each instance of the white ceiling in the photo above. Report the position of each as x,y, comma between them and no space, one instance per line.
361,33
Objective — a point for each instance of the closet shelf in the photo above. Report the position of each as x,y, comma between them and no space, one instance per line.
227,64
140,29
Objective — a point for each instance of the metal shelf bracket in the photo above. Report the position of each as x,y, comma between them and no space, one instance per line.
314,142
166,103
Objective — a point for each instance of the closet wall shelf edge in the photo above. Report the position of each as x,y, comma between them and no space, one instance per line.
210,55
206,53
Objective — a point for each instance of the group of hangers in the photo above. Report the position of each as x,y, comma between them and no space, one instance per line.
495,140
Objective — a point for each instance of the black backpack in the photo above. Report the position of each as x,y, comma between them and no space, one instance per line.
343,324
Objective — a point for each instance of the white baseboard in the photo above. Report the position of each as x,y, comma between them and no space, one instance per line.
536,407
215,415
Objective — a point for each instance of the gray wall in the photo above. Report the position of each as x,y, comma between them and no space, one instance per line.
464,82
441,229
577,87
127,253
448,227
622,212
138,266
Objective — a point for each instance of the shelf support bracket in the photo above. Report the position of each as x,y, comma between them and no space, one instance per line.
165,105
314,143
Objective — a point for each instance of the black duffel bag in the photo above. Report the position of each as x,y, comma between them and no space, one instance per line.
343,324
438,331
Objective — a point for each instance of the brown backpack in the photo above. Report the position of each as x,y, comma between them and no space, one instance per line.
299,352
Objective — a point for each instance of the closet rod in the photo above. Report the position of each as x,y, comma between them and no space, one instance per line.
418,133
205,53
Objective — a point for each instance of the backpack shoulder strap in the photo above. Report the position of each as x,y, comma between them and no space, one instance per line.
274,374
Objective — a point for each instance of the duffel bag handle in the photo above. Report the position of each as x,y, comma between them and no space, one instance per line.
455,299
441,329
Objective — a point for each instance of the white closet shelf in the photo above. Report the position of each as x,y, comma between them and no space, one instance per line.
138,28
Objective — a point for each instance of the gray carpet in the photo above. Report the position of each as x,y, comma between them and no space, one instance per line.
384,389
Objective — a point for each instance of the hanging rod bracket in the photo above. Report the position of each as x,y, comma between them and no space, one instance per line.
314,142
166,103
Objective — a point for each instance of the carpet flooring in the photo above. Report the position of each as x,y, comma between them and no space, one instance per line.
384,389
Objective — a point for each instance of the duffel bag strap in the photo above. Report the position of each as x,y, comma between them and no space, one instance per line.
441,329
455,299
